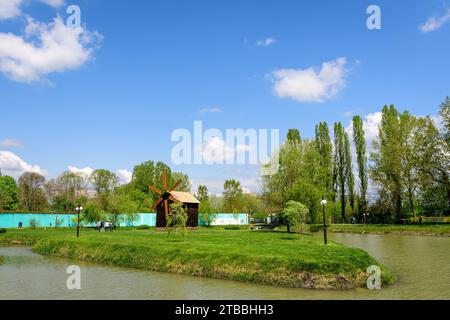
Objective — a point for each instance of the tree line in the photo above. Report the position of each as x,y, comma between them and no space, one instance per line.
408,166
103,198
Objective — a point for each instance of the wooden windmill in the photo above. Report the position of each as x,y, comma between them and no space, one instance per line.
167,196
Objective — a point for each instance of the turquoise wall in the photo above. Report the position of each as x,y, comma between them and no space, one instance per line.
11,220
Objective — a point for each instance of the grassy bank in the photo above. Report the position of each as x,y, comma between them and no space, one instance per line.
410,230
272,258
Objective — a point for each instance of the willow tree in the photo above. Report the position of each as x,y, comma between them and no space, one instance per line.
361,157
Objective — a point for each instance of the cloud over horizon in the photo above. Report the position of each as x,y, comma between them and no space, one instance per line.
12,165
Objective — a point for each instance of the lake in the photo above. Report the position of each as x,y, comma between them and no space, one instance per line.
422,265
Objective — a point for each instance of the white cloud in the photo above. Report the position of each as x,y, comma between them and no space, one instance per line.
53,3
266,42
12,165
124,176
45,49
84,172
211,110
308,85
435,22
216,151
9,9
10,143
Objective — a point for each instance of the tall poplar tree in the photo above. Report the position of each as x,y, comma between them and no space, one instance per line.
361,157
340,166
325,150
350,178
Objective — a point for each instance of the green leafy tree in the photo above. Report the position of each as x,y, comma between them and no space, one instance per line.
350,178
444,112
325,150
294,137
391,160
32,194
340,166
361,156
120,203
144,176
9,194
177,219
277,187
104,182
185,184
433,167
295,213
64,191
92,213
202,193
233,196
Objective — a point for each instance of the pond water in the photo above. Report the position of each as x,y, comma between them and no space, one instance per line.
422,265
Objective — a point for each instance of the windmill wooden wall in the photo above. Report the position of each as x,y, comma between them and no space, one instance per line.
191,210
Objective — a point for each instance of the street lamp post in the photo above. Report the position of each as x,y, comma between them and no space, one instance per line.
79,209
323,203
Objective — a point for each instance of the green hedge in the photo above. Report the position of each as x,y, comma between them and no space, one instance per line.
3,230
143,227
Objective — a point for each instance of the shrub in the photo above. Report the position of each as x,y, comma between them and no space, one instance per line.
59,222
33,223
233,228
207,219
143,227
3,230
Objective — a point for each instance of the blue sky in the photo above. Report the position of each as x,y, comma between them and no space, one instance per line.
150,67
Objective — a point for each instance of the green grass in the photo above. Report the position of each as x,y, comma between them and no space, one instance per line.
426,230
273,258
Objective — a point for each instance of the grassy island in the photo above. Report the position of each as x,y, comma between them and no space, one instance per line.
272,258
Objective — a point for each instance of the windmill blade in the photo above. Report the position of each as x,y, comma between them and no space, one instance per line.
175,185
165,180
166,208
154,189
171,198
156,204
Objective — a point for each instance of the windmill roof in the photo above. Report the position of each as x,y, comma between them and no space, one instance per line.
184,197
